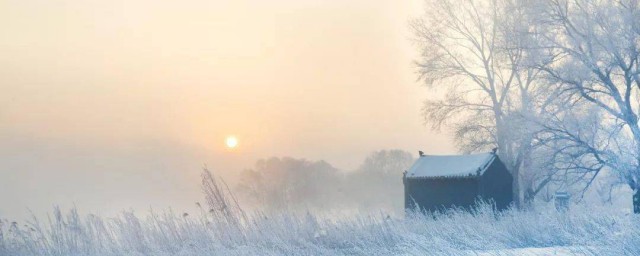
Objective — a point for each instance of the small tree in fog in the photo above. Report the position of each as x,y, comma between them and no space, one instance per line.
387,162
377,183
290,183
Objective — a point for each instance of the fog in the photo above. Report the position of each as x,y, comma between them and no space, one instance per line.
286,127
275,184
119,104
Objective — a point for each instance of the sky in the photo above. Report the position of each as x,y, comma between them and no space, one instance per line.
111,105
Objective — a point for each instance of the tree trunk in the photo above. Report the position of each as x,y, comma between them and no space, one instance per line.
516,188
506,155
529,196
636,201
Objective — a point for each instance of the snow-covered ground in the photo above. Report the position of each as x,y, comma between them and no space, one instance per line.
543,231
221,227
544,251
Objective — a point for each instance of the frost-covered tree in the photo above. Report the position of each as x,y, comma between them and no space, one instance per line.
571,143
595,48
477,51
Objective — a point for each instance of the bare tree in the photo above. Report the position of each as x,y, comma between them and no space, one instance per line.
572,143
595,50
477,51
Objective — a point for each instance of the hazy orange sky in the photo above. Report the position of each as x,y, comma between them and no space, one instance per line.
117,104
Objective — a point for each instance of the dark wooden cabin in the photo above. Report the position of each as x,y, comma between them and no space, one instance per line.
437,183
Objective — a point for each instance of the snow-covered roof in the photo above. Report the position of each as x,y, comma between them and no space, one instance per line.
428,166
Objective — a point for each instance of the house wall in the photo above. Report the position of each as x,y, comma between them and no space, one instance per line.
496,185
440,194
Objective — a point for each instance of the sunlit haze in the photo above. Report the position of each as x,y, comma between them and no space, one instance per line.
114,105
231,142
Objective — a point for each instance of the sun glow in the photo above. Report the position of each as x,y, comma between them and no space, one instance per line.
231,142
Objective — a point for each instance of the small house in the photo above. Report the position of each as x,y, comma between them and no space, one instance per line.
437,182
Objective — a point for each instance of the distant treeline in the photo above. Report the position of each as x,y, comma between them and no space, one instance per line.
299,184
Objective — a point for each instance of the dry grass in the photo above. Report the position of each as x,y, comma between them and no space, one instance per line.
223,228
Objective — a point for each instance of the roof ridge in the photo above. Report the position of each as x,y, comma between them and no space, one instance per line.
471,154
432,166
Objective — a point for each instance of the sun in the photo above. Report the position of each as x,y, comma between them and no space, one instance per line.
231,142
